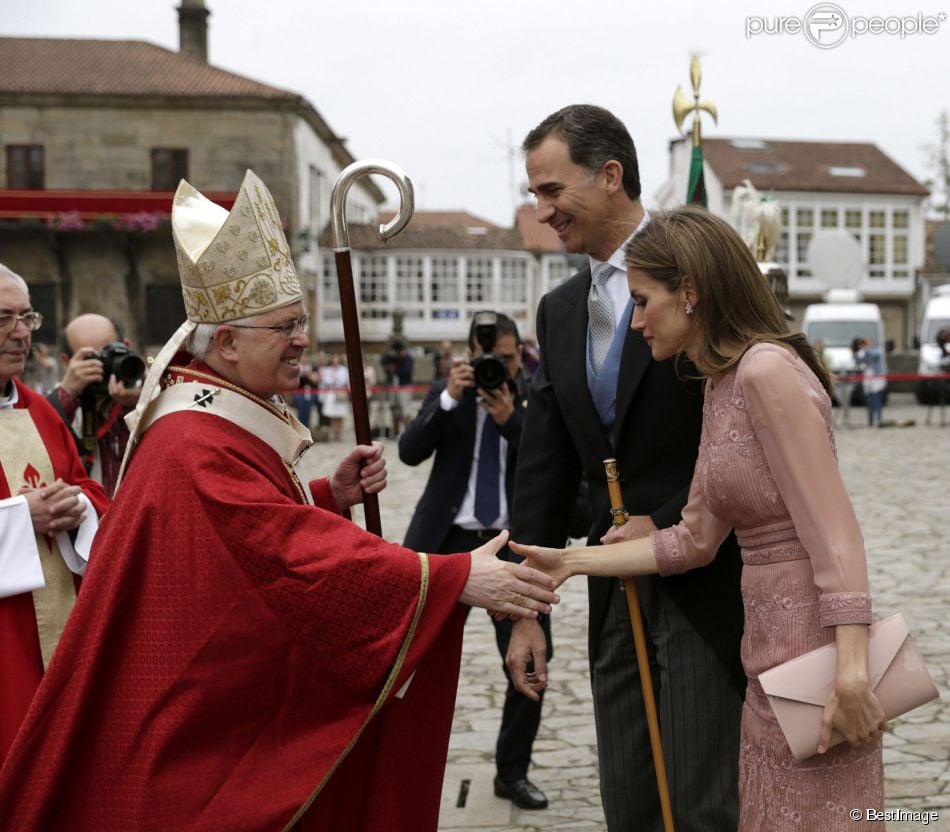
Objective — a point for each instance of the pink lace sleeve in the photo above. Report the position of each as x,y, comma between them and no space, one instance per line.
694,541
785,411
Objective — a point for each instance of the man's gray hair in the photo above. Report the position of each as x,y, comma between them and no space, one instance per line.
201,341
21,284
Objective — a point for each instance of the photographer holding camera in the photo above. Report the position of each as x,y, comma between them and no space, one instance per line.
101,384
472,422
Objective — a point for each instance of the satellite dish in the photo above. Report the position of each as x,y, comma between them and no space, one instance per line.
941,243
835,258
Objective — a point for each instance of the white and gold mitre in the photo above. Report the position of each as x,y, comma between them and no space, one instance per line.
232,265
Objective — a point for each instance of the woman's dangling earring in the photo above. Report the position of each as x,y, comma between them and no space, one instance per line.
689,308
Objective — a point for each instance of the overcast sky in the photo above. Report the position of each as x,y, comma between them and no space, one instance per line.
438,86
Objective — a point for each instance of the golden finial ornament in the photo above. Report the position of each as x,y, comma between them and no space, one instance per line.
682,106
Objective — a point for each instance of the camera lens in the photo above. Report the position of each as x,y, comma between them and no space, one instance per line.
490,373
129,369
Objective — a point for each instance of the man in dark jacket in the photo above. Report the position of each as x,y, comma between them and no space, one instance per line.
472,422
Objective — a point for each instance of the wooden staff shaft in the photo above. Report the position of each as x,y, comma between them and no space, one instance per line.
354,364
619,516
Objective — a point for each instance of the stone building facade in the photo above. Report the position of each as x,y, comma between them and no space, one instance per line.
94,137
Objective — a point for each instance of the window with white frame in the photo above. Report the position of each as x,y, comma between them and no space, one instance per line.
478,280
781,249
901,219
802,241
374,279
877,219
317,185
852,218
514,280
330,291
805,218
558,271
445,280
410,280
877,251
900,249
829,217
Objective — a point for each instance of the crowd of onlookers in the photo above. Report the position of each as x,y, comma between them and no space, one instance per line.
321,402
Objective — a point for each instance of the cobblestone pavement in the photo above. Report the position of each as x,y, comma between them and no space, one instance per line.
897,478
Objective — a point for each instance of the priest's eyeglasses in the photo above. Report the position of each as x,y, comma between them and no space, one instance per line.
287,330
31,320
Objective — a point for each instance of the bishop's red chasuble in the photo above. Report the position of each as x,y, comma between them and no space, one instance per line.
233,659
36,448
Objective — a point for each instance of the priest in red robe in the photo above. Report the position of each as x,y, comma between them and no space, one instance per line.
257,661
48,516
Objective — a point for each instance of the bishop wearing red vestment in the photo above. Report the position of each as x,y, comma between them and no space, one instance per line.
257,661
44,494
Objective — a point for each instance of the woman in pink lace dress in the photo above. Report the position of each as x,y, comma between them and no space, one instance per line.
767,468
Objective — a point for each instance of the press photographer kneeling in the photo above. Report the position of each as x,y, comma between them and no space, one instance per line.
102,383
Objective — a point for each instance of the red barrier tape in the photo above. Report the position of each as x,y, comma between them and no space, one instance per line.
424,388
892,377
412,388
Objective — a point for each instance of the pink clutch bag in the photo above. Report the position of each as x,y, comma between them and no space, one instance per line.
798,690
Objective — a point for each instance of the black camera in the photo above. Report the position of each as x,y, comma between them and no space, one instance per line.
490,371
118,360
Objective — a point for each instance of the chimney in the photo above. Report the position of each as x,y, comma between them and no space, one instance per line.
193,29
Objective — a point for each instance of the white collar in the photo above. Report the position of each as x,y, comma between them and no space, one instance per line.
618,259
7,402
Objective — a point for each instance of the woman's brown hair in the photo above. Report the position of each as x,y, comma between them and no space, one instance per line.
734,305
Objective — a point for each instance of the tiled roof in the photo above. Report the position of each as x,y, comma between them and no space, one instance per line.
536,236
425,236
462,218
116,67
86,69
808,166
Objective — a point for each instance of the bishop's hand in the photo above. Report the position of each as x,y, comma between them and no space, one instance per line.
511,589
362,472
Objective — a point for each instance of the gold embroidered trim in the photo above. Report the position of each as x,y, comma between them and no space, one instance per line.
283,415
387,688
296,481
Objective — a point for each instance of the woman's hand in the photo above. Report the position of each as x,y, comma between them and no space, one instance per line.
854,712
549,561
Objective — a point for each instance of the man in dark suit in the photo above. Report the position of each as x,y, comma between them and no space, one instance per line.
599,394
474,433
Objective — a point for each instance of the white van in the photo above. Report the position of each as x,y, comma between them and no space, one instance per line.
936,318
838,324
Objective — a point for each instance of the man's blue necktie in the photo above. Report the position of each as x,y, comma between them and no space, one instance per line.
487,498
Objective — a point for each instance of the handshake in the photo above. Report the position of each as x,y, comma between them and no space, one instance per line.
507,590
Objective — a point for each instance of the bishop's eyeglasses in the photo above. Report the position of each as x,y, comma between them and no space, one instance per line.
8,321
287,330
